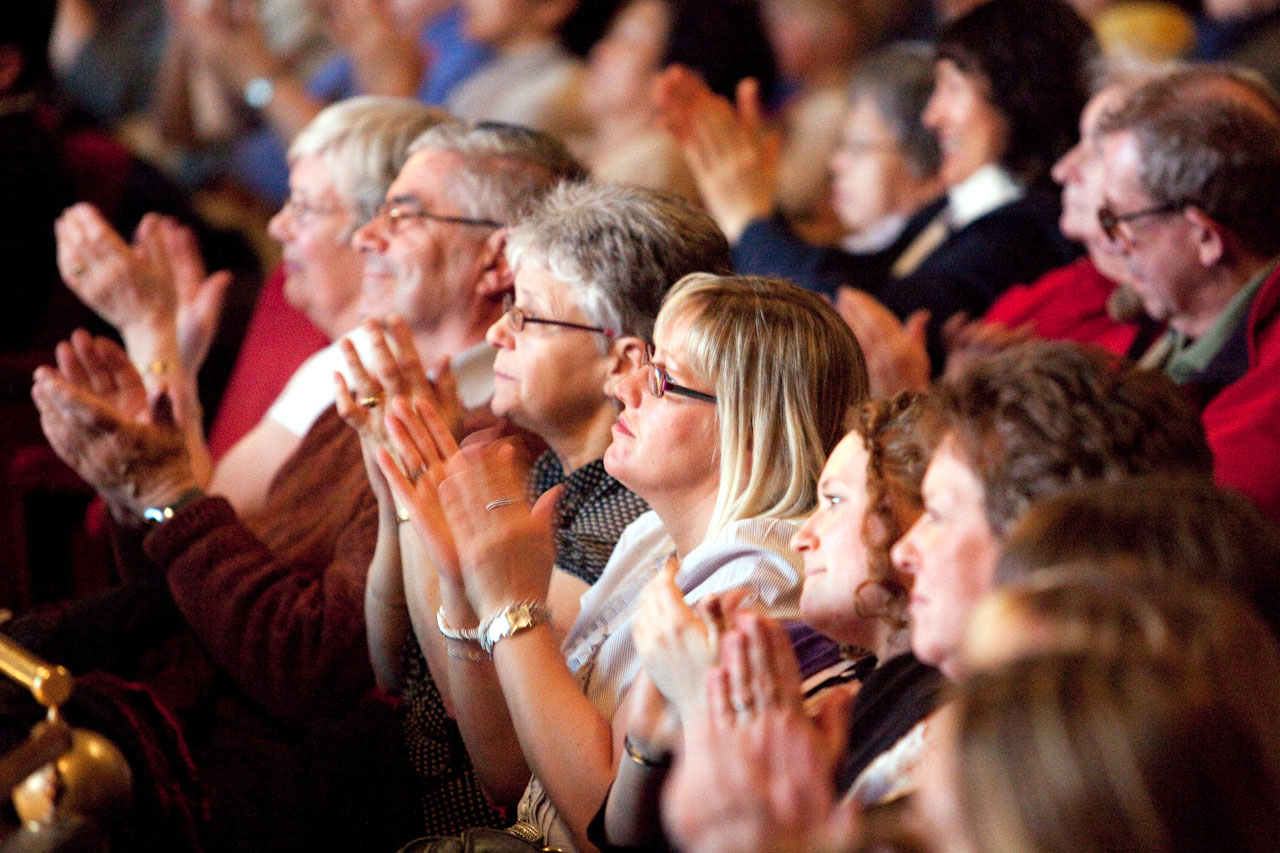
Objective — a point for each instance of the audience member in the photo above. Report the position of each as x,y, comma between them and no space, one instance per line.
577,325
276,600
623,67
740,350
868,494
1192,187
1242,32
1159,755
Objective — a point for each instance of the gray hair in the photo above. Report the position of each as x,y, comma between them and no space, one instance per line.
365,141
619,248
899,80
505,168
1210,136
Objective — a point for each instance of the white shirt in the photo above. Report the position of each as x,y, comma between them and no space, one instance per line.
755,553
310,390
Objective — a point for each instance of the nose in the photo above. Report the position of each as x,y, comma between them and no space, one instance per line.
630,389
930,118
279,226
806,538
1067,166
370,236
905,554
499,334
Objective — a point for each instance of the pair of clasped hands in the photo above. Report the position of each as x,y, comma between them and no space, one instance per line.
464,497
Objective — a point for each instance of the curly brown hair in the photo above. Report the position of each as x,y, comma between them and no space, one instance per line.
899,436
1042,416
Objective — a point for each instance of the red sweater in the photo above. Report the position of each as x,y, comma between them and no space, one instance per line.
1069,304
278,601
1243,420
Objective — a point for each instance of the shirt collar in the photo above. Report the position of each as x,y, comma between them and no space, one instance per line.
982,192
1190,358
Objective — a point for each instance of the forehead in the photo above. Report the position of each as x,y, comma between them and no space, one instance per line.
848,462
864,120
312,176
949,476
1121,160
534,283
425,175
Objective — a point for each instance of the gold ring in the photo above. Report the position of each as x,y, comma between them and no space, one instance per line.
78,270
369,402
492,505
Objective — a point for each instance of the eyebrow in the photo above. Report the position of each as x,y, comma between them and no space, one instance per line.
405,199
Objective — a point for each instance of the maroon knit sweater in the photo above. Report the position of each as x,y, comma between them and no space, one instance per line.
277,601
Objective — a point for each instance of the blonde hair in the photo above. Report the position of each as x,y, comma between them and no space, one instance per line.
786,370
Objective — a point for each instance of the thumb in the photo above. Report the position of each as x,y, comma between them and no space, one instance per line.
544,508
748,102
917,324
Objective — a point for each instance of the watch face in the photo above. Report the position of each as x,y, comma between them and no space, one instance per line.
258,92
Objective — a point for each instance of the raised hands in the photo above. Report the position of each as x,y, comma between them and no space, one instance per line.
732,155
99,419
756,773
155,292
677,643
895,352
468,507
384,51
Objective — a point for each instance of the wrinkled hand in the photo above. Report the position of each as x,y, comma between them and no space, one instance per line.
200,295
507,551
123,284
756,773
895,352
733,157
675,645
94,412
969,341
422,445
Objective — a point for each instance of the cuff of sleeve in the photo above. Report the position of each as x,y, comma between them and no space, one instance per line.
166,542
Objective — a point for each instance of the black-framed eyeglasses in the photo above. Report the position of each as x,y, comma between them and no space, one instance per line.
398,212
660,381
517,317
1110,221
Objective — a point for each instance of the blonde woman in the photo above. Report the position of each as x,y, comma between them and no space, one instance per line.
723,432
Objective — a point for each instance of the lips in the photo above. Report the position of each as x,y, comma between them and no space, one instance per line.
621,428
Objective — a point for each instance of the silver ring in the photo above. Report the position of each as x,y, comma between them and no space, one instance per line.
744,707
402,515
492,505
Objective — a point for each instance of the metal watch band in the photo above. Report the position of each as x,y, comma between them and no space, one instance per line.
157,515
468,634
510,620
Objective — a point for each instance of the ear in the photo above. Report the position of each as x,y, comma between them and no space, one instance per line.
627,354
495,275
1210,237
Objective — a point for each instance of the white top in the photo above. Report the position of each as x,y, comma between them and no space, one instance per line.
753,553
988,188
310,390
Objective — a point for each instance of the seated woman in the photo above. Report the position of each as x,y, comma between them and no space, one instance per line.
742,370
1168,736
645,36
577,324
1019,427
1009,87
868,494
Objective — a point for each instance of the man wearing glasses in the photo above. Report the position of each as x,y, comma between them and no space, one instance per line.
1192,202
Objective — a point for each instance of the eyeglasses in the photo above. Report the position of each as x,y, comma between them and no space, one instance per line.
1110,221
305,211
398,212
660,381
517,317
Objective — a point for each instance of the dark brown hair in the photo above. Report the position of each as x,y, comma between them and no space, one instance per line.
1042,416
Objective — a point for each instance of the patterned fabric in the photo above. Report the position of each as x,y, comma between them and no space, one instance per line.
590,516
